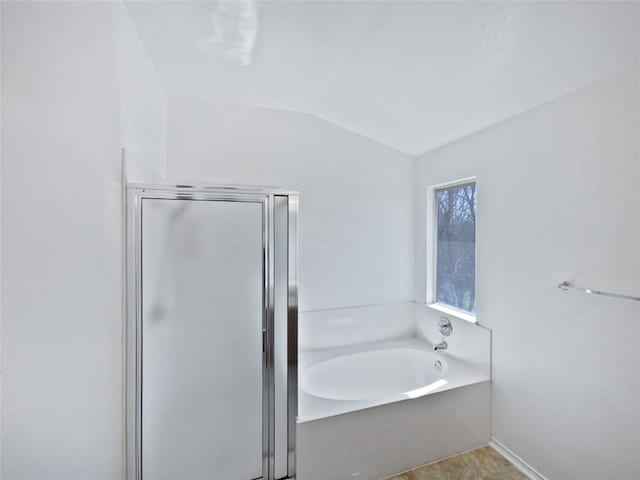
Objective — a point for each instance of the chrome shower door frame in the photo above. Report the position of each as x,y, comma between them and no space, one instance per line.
135,194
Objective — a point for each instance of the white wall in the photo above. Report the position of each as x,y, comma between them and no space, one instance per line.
356,198
142,100
558,199
73,96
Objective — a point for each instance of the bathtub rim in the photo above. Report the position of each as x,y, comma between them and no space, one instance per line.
312,408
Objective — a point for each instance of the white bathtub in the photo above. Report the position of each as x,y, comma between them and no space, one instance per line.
370,407
341,380
401,372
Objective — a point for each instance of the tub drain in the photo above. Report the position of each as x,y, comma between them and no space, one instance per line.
438,365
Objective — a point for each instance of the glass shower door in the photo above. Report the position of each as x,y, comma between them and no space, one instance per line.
202,359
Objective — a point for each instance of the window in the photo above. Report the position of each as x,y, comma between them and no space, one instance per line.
454,255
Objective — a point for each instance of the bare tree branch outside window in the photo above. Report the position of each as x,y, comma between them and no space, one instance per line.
456,246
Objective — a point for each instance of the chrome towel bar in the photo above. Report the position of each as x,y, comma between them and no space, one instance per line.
567,286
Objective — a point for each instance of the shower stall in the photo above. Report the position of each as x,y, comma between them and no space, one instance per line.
211,333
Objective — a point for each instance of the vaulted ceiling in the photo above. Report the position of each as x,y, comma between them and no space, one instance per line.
411,75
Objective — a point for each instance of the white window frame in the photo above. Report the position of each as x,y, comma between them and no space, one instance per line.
432,249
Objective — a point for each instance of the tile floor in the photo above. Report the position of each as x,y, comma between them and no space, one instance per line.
480,464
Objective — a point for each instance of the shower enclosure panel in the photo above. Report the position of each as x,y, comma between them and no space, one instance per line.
212,333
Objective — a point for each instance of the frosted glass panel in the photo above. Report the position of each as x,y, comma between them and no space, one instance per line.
202,340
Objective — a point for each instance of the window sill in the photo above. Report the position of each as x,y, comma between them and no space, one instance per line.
454,312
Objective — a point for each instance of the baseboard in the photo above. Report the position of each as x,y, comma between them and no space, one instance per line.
517,462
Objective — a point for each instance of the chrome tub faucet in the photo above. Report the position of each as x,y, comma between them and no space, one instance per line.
440,346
